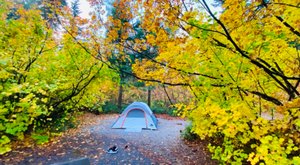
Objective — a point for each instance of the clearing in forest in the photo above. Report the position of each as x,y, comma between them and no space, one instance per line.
94,136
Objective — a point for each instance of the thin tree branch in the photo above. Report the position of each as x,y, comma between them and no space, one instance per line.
243,53
201,28
167,95
285,4
266,97
168,66
292,29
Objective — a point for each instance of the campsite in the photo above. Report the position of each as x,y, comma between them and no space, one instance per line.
94,137
150,82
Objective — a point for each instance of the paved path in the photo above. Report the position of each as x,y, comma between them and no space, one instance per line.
162,146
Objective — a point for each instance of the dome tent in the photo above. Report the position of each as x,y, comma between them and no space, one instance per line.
136,115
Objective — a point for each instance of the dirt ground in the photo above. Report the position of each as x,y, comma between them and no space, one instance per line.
94,136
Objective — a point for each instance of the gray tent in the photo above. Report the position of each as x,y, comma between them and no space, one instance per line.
137,115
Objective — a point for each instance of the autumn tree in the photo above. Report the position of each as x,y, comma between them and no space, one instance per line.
124,36
44,80
47,9
241,65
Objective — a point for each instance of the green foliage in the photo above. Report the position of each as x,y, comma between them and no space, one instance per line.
188,134
274,150
4,144
228,152
159,107
111,107
238,137
40,139
43,86
96,109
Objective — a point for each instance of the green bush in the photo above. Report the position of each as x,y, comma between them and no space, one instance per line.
238,136
40,139
110,107
42,89
96,109
159,107
188,134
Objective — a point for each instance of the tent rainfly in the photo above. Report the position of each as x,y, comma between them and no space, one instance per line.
136,115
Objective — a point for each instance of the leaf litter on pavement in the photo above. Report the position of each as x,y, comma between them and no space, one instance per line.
93,137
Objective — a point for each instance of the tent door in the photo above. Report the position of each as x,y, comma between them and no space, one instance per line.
135,118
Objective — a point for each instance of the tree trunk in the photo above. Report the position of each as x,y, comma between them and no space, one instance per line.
120,97
149,96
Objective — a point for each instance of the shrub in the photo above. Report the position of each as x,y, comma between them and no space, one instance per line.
110,107
237,135
188,134
159,107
